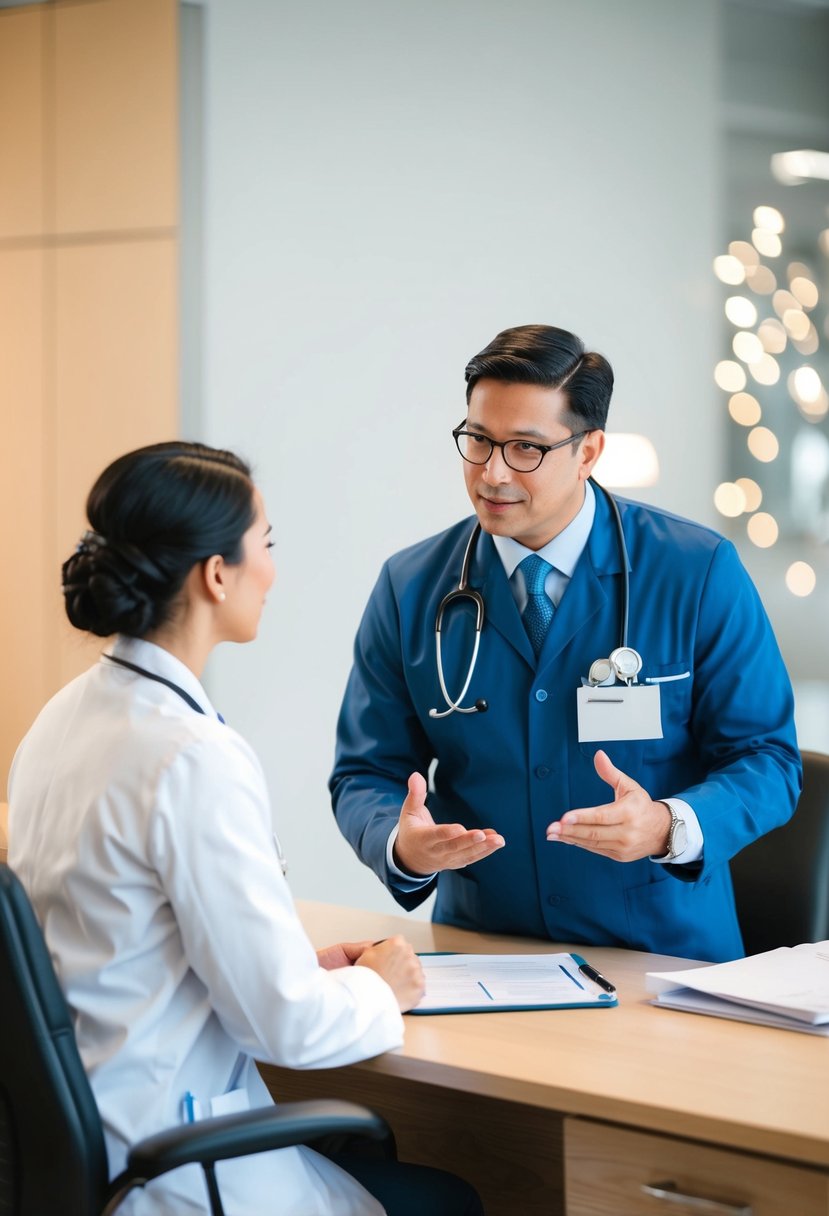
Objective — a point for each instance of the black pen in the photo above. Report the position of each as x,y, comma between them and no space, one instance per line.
593,974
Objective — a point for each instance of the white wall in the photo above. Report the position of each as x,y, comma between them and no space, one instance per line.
388,185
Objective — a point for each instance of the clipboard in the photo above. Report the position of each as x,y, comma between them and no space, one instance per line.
508,983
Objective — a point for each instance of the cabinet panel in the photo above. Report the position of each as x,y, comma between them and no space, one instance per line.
116,115
22,498
21,122
116,377
608,1168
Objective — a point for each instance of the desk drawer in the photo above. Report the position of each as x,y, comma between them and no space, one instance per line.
607,1170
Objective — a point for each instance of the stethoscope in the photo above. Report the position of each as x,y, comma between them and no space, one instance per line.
624,663
193,703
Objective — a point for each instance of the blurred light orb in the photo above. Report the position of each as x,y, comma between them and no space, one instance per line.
796,323
797,269
814,411
740,311
782,301
773,336
800,578
752,493
748,347
745,409
763,445
804,291
804,384
809,344
766,370
766,242
769,218
745,253
729,376
762,530
729,499
761,280
729,269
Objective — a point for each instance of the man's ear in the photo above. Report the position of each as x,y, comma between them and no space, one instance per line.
590,450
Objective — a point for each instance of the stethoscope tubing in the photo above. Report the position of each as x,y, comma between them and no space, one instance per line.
464,591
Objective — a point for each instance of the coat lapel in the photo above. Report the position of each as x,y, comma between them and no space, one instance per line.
585,597
588,590
501,612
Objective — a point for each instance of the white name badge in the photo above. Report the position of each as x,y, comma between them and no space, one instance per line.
620,711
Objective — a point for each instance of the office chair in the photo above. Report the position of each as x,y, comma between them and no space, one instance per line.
52,1156
781,881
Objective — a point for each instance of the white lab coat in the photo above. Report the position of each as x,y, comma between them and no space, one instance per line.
142,832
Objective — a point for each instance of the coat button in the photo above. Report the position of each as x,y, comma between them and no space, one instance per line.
542,771
541,694
553,900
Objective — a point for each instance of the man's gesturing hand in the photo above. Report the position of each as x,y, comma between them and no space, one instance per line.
424,847
629,828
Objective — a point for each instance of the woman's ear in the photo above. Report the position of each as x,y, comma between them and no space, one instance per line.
213,577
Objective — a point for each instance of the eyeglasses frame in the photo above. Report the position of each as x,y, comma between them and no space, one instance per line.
543,448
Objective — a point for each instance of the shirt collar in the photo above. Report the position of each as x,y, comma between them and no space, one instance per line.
563,551
161,663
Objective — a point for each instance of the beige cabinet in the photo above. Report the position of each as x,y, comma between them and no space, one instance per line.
630,1173
88,299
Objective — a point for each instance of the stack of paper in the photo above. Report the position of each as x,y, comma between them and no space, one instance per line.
788,987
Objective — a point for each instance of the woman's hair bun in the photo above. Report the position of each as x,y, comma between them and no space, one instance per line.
105,592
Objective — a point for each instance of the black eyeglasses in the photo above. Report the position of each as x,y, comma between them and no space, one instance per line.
519,454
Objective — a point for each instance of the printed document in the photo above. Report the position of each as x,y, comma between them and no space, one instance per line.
467,983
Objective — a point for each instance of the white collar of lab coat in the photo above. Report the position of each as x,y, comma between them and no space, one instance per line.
161,663
563,551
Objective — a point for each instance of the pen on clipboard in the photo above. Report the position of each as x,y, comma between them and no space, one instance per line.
596,977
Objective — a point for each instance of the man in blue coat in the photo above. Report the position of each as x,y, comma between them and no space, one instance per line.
573,800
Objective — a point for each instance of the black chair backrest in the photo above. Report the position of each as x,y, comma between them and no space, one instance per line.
52,1152
781,881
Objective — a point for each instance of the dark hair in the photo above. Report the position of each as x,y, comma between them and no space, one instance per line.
155,513
542,354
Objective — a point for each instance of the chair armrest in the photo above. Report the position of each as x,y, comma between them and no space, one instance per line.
252,1131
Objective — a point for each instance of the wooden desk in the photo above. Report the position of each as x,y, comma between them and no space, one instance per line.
504,1098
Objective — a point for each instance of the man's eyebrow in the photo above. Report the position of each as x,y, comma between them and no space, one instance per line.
527,434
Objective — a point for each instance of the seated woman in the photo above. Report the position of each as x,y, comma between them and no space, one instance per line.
140,827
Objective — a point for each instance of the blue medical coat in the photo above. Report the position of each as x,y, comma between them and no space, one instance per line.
729,747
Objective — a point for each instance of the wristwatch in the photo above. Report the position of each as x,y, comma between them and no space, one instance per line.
677,836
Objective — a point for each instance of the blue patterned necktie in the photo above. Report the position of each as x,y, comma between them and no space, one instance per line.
539,610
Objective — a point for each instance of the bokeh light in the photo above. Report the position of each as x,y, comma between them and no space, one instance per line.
748,347
804,291
773,336
740,311
745,409
765,370
761,280
763,445
752,493
769,218
729,376
800,578
762,530
729,269
729,499
768,243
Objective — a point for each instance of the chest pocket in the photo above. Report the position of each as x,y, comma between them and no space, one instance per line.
675,684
